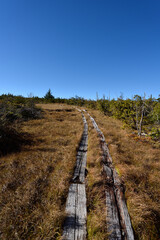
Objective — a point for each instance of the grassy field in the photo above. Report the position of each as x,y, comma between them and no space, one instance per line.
138,163
34,180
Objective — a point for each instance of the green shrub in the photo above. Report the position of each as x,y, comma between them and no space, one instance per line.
155,133
11,111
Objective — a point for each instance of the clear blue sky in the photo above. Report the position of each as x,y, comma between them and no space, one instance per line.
80,47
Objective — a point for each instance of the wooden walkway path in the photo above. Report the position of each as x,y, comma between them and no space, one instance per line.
118,219
76,210
117,216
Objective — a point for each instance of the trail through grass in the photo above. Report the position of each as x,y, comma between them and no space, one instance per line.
138,163
34,182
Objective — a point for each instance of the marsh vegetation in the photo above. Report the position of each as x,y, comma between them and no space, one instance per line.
38,146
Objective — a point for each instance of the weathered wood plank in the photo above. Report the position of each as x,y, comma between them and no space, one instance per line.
75,223
70,221
76,210
118,219
112,218
79,173
126,226
81,213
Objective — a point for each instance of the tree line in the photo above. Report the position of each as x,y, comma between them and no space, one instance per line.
139,113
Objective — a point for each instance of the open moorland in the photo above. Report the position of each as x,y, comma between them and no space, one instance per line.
138,163
34,181
35,178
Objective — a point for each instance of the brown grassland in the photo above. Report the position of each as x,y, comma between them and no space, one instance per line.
34,182
138,163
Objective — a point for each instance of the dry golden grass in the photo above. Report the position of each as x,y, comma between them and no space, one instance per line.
56,106
96,203
138,163
34,182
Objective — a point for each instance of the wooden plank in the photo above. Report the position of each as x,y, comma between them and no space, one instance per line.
70,221
81,159
126,225
76,210
118,219
81,213
75,222
112,218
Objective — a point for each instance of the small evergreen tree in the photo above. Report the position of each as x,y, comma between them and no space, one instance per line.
49,97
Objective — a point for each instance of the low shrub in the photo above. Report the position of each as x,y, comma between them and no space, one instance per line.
11,117
11,111
155,133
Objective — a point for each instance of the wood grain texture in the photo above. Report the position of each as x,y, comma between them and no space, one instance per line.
75,223
112,219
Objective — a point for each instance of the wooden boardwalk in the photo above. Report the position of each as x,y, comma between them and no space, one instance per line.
76,210
118,219
117,216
